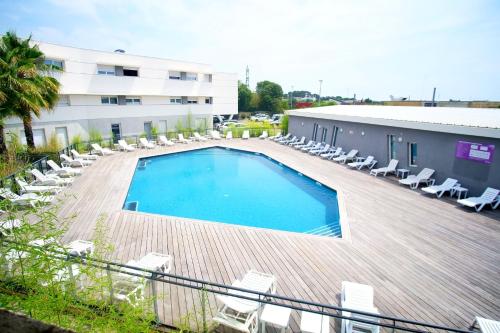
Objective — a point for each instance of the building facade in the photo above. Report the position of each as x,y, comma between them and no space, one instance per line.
416,137
121,94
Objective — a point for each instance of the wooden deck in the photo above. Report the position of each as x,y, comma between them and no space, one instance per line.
427,259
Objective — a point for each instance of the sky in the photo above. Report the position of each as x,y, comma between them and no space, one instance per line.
371,48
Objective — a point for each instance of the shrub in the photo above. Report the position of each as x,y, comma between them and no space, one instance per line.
284,124
95,136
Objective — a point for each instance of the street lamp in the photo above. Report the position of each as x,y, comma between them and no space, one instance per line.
319,95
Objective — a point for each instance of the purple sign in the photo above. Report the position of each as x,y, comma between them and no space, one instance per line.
475,152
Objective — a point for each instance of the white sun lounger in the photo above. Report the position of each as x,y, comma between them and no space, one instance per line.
298,143
245,135
101,151
440,189
283,137
229,135
264,135
27,188
7,226
320,151
215,135
198,137
67,161
27,199
163,141
78,156
144,143
181,138
314,322
486,325
337,152
53,180
64,171
424,176
369,162
242,314
306,149
346,157
276,137
123,145
490,197
287,142
310,143
390,168
359,297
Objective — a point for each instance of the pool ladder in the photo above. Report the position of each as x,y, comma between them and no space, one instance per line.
329,230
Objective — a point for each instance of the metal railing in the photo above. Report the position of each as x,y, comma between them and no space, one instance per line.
388,323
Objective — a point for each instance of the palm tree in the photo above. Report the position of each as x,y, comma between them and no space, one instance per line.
24,81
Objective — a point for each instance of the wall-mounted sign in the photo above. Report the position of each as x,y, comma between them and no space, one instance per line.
475,152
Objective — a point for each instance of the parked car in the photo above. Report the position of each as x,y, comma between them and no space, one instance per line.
259,117
276,119
228,124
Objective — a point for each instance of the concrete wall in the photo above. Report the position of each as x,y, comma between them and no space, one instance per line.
435,150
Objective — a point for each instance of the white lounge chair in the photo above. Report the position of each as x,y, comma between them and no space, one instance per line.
146,144
78,156
123,145
276,137
424,176
242,314
441,189
7,225
490,197
485,325
198,137
64,171
283,138
337,152
181,138
163,141
215,135
310,143
27,199
287,142
53,180
390,168
346,157
101,151
229,135
298,143
264,135
368,162
321,150
130,288
245,135
314,322
306,149
359,297
27,188
67,161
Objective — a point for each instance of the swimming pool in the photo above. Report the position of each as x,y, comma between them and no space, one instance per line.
235,187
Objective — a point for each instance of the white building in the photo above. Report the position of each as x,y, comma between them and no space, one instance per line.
115,92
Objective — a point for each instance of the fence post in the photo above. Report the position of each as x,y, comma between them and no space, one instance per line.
110,281
155,297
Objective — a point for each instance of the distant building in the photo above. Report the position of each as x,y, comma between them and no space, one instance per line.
451,103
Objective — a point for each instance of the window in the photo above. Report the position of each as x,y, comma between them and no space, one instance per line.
106,70
162,126
132,100
412,154
315,131
54,64
391,146
207,77
175,100
62,136
116,132
333,141
38,137
109,100
191,76
208,100
323,134
130,72
174,75
63,100
192,101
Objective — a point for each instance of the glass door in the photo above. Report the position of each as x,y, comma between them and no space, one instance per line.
116,131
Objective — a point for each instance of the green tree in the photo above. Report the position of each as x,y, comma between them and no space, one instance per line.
254,102
270,95
244,97
25,82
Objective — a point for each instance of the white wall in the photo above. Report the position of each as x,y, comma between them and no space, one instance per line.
225,93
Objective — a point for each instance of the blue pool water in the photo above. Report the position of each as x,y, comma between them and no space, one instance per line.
236,187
